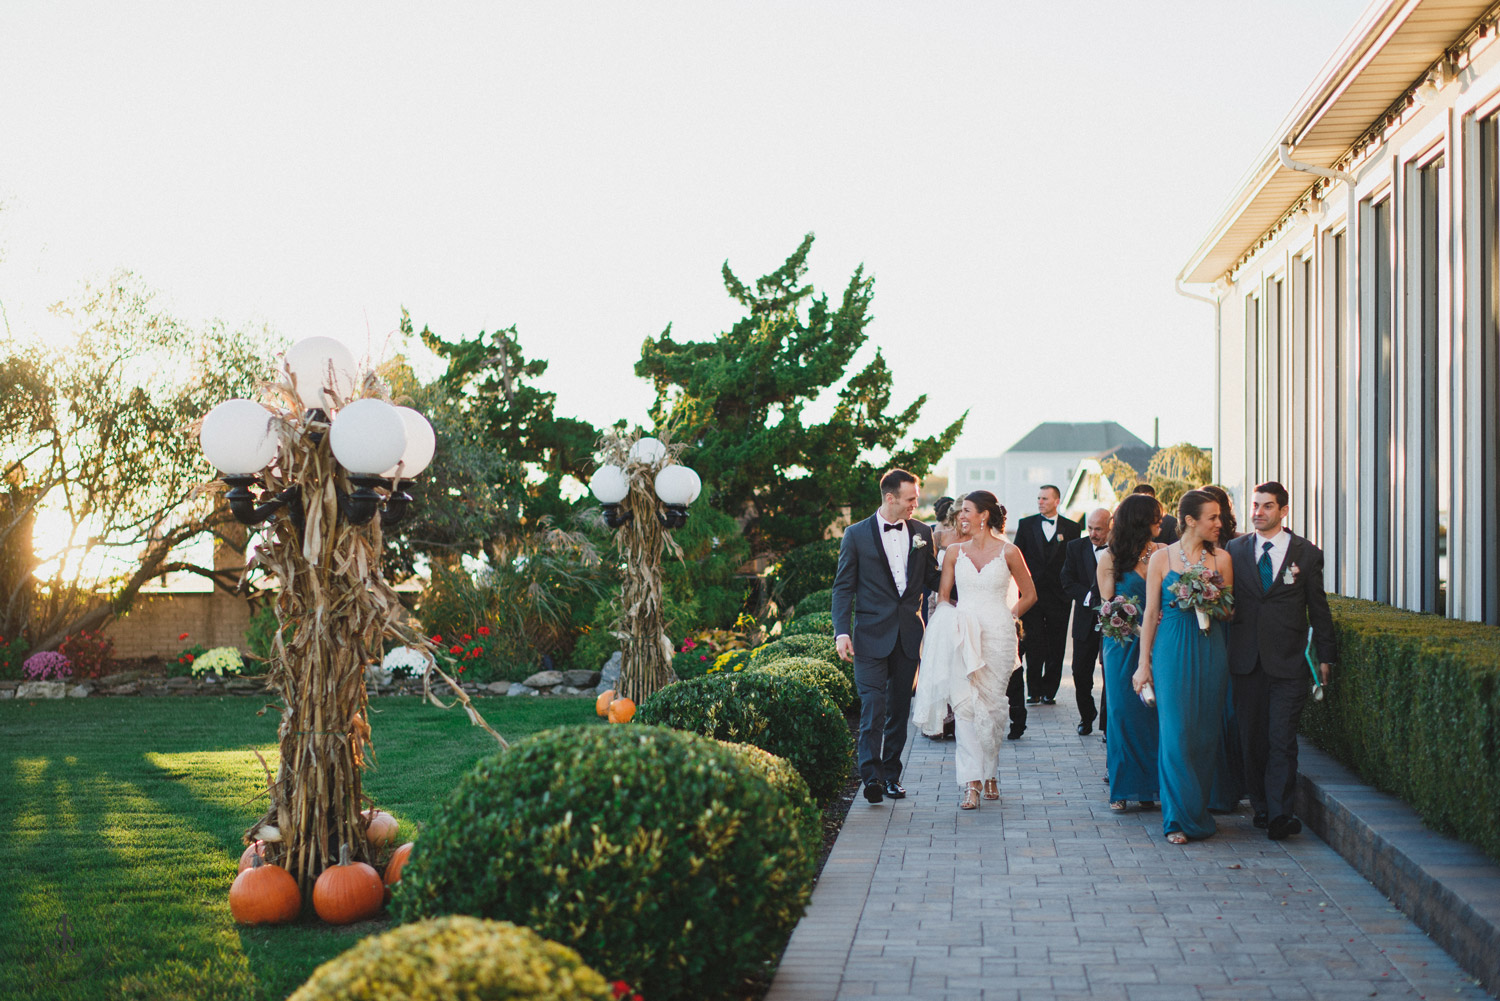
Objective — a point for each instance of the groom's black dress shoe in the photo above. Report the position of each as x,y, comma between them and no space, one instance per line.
893,789
873,792
1048,700
1016,730
1085,728
1283,827
1261,819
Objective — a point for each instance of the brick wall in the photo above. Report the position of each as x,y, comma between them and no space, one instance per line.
153,624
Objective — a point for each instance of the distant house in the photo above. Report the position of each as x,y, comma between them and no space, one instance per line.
1051,453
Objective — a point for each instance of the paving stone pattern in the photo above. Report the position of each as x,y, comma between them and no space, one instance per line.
1049,895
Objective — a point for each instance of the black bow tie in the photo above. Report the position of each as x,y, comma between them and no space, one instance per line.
894,528
1050,521
1100,549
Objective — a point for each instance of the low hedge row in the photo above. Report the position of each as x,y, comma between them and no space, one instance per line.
816,672
676,863
818,601
783,715
818,623
1414,707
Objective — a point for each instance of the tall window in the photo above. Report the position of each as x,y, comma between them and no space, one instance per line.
1375,394
1481,395
1252,392
1269,459
1420,470
1336,444
1301,439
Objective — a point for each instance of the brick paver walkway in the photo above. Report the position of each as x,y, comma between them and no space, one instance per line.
1050,895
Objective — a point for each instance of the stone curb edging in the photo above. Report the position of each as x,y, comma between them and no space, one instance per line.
1450,889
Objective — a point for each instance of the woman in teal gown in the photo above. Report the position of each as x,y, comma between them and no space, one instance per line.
1189,670
1130,751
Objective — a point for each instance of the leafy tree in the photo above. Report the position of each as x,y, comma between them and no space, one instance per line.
1121,474
502,451
741,399
1177,469
100,430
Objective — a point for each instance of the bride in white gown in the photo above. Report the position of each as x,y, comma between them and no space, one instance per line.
969,649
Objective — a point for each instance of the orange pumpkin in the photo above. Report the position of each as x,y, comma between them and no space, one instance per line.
382,827
348,892
601,704
255,849
264,894
397,863
621,710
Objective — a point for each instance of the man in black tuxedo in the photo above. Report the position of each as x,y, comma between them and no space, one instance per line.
1278,594
886,566
1167,532
1041,539
1080,578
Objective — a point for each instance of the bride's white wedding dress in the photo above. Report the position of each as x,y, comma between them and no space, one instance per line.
968,653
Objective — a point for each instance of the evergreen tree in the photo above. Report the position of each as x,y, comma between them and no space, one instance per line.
741,399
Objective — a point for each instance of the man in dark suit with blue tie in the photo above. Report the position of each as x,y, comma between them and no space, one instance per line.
1278,595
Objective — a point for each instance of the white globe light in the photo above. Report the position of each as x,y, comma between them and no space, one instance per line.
319,364
237,437
368,436
678,486
609,484
648,451
421,443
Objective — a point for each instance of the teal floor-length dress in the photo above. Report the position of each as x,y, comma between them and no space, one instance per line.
1190,671
1130,753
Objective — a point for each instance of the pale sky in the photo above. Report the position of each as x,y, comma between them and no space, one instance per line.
1023,180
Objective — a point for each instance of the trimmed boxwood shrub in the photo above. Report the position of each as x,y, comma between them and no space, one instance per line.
818,623
808,819
785,716
816,672
1414,707
807,569
455,957
818,601
662,857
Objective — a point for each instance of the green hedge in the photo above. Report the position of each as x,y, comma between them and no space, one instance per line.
785,779
818,623
802,645
665,859
805,570
818,601
1414,707
787,717
816,672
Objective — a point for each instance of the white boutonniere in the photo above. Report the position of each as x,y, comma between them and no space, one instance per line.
1290,577
918,543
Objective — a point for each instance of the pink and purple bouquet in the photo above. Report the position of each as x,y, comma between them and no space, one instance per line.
47,665
1203,590
1120,618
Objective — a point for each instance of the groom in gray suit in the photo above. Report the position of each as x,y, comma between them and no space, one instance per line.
886,566
1278,593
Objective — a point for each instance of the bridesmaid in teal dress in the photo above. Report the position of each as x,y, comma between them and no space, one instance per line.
1189,670
1130,751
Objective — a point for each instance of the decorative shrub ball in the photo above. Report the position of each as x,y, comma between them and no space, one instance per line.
455,957
818,601
787,717
803,645
782,777
816,672
818,623
662,857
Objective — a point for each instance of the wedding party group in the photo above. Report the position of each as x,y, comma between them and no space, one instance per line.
1211,642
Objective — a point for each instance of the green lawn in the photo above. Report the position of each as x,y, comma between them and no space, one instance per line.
123,822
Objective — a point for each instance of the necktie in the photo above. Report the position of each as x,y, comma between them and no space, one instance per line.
894,528
1265,566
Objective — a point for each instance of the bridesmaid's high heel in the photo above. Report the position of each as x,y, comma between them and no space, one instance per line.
970,799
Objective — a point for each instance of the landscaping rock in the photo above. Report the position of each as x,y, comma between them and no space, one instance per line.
130,688
565,690
7,693
80,691
521,689
610,677
41,690
544,679
154,689
581,678
182,681
498,687
120,678
243,684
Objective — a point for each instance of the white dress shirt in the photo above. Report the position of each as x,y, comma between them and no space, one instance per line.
1088,599
1281,543
897,543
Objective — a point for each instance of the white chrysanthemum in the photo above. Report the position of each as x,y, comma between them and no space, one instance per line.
404,662
221,660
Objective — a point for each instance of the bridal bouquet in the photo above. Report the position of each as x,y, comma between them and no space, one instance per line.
1203,590
1120,618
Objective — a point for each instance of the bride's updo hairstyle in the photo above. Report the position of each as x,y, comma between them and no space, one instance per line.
985,501
1192,502
1130,532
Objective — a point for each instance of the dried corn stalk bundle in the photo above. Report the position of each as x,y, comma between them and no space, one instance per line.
334,611
645,648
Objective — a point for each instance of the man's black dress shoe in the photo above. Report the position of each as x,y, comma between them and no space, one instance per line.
1033,701
1016,730
1260,819
893,789
873,792
1048,700
1283,827
1085,728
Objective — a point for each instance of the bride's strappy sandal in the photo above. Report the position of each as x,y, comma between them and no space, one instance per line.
970,799
991,789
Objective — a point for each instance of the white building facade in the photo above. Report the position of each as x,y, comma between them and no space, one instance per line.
1049,454
1355,285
